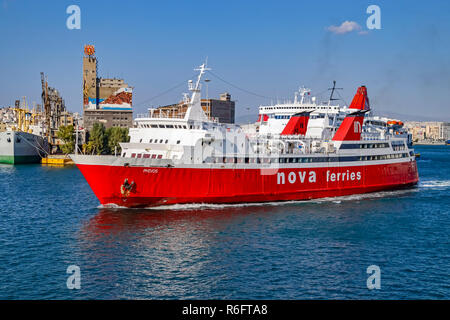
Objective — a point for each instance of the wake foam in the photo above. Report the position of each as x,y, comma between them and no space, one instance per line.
111,206
434,184
334,200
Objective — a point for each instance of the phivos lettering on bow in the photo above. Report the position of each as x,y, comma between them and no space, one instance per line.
293,177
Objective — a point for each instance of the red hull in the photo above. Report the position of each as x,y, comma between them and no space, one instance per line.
161,186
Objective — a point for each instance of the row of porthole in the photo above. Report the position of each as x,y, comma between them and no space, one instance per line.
160,141
307,160
144,155
168,126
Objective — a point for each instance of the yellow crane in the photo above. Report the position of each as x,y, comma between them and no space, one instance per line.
25,118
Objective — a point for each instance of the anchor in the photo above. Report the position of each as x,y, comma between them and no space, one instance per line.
126,188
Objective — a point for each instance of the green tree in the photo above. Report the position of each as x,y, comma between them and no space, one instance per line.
115,135
97,139
65,133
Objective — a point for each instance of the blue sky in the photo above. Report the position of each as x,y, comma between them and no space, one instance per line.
266,47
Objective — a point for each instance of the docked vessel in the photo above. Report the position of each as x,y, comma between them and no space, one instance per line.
192,159
22,141
18,147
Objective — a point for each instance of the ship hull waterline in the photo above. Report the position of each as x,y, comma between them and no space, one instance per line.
156,186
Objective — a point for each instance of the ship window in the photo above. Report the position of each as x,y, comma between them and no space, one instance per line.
169,126
178,142
133,155
150,141
153,156
161,126
139,155
160,141
124,154
159,156
167,141
146,155
154,126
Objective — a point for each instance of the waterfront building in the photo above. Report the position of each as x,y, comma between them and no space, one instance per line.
429,131
66,119
7,118
105,100
445,131
222,109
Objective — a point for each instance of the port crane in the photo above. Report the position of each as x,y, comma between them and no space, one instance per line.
46,105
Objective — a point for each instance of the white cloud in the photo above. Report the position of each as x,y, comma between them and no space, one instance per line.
345,27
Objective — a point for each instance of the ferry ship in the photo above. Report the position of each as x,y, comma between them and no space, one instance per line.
192,159
323,116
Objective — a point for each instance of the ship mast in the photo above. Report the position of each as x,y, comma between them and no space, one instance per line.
196,90
195,110
332,92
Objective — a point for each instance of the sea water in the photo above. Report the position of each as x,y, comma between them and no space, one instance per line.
319,249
